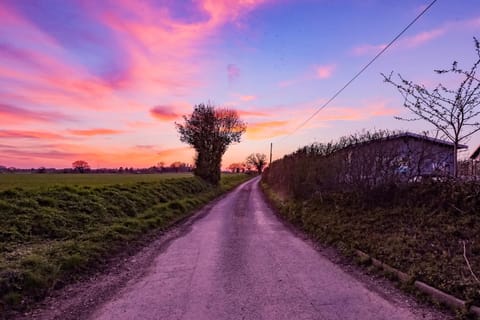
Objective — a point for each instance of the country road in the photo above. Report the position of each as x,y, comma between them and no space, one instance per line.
240,262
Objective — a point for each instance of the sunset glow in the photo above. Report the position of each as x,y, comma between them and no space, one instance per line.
105,81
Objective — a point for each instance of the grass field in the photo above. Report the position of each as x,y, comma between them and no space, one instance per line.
54,234
36,180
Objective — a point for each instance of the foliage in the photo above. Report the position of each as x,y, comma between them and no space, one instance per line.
50,236
258,161
81,166
454,112
210,131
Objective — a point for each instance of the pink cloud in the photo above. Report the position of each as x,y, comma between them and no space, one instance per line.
248,98
164,113
148,35
324,71
423,37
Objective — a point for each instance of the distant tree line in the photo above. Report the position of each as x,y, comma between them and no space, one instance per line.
81,166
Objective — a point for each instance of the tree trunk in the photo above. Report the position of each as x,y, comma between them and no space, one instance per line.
455,164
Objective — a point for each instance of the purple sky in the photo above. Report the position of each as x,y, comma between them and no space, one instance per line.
104,81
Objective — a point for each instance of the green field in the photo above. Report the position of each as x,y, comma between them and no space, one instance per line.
57,227
34,180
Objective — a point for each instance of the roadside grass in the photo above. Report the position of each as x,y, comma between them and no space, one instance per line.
45,180
50,236
419,229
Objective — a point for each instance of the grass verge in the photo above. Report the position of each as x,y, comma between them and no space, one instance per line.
52,236
420,230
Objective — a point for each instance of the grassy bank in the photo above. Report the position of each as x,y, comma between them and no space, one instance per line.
419,229
52,235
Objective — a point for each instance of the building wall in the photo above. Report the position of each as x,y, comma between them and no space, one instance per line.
404,156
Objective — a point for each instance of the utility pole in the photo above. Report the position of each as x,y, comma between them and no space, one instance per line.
271,146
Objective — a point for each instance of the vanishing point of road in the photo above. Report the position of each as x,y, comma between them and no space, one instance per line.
240,261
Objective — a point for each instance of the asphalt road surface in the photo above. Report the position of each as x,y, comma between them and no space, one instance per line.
240,262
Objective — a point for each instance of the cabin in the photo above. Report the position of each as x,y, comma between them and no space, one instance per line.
405,154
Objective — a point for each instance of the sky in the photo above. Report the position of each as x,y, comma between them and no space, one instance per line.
105,81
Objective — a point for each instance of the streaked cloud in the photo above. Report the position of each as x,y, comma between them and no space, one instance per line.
251,113
267,129
13,114
20,134
95,132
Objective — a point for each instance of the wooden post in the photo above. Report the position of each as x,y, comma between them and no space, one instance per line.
271,146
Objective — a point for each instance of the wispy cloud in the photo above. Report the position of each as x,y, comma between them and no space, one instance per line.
248,98
324,71
315,72
267,129
365,49
420,38
176,154
95,132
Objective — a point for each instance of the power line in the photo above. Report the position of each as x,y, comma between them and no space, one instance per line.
362,70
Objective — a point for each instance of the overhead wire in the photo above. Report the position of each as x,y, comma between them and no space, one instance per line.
338,92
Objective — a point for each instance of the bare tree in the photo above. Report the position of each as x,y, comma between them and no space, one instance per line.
210,131
257,160
454,112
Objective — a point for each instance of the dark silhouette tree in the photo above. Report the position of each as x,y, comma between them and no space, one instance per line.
258,161
81,166
177,166
454,112
237,167
210,131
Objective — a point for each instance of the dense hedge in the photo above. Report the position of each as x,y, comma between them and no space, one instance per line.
51,236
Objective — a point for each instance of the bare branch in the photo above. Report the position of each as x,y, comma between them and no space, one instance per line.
468,263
